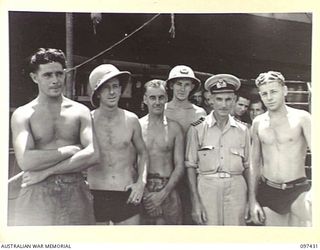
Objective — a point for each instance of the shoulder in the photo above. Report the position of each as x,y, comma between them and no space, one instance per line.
77,108
298,112
198,122
130,115
241,124
24,112
199,111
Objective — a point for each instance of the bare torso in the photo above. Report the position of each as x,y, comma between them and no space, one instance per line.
117,153
184,115
54,125
159,139
283,146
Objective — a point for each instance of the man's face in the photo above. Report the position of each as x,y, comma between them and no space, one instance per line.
50,79
255,109
155,99
110,93
273,95
197,98
182,88
222,103
241,106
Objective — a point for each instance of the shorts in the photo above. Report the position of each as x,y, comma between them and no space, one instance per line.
280,200
112,206
171,206
63,199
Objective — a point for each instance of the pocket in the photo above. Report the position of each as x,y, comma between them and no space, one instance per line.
237,151
207,159
236,159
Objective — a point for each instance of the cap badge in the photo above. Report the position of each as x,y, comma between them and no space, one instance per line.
184,71
221,84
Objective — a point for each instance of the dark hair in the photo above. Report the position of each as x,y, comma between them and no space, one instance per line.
44,56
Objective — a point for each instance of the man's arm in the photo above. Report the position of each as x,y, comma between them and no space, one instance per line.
143,161
257,215
306,128
81,160
27,156
191,162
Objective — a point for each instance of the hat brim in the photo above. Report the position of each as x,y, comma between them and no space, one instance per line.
123,76
195,81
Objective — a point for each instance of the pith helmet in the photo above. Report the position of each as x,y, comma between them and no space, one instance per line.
101,75
182,71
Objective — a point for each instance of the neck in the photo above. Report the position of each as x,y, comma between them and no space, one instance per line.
48,100
282,111
221,120
180,103
155,118
109,112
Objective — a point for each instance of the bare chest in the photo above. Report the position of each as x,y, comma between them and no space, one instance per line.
59,128
113,136
183,116
158,139
280,131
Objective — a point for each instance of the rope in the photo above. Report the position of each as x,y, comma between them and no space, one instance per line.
116,44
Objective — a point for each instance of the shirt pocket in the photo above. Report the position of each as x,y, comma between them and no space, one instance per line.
236,159
208,156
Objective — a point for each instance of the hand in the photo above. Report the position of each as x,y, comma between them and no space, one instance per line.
33,177
199,214
155,212
70,149
257,215
153,200
136,192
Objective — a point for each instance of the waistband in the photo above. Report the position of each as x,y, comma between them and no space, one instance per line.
65,178
286,185
156,176
219,174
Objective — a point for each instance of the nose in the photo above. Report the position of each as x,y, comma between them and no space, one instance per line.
157,101
268,95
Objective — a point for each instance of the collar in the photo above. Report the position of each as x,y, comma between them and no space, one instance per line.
211,120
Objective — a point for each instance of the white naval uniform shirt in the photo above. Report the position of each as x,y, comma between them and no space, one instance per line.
211,150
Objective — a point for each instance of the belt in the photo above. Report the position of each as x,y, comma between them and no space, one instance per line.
219,175
285,185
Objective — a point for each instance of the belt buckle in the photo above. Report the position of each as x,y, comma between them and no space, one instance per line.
224,175
283,186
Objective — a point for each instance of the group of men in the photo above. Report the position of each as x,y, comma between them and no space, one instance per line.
176,165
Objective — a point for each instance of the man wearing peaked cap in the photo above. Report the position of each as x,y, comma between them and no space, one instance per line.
218,150
183,83
116,185
222,83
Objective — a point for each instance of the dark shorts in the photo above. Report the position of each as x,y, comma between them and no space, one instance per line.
63,199
171,207
112,206
280,200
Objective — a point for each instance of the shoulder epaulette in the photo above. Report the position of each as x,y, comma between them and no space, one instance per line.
197,122
243,123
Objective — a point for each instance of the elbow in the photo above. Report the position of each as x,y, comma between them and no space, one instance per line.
24,165
94,157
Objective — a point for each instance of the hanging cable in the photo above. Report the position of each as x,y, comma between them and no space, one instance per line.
114,45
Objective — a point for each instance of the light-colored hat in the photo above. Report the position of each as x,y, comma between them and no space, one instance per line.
222,83
182,71
101,75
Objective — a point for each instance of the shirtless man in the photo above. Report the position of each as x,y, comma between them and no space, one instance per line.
164,141
280,138
118,182
183,83
53,142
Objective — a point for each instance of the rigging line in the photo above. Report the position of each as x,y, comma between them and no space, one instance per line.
114,45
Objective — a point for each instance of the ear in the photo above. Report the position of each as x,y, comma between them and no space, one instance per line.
34,78
171,85
145,99
285,90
